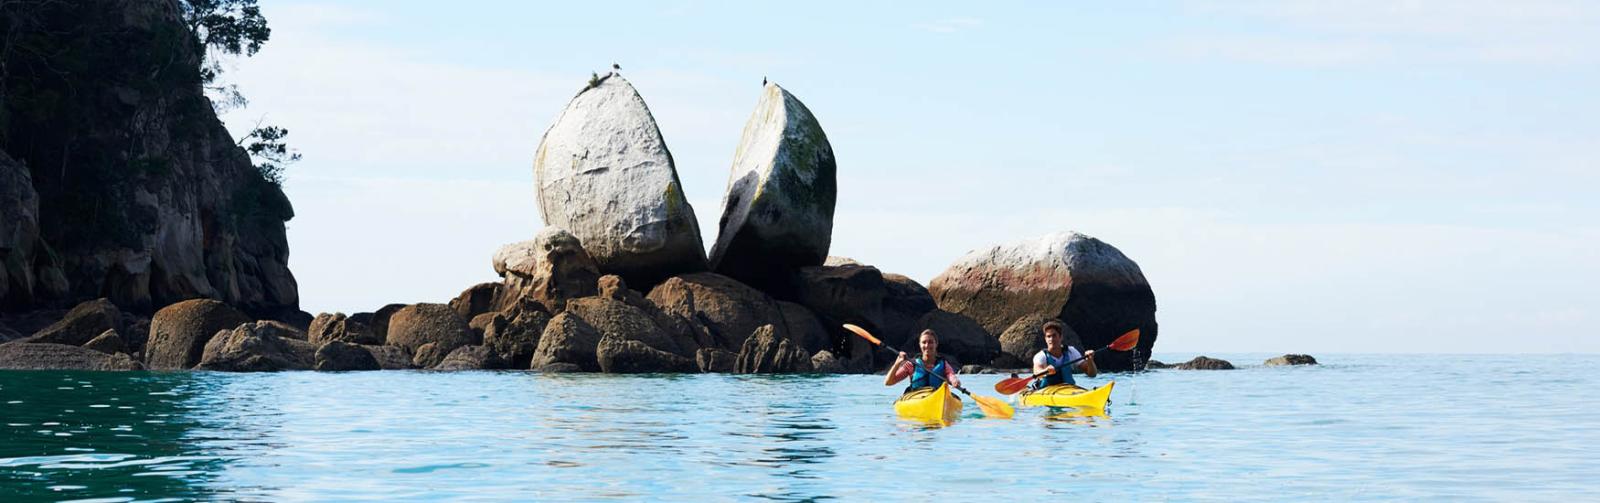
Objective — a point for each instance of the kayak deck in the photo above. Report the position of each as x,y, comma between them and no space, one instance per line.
1067,395
933,405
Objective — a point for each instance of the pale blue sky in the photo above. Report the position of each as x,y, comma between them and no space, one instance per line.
1351,176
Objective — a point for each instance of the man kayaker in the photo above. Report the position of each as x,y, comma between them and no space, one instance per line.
1055,357
919,368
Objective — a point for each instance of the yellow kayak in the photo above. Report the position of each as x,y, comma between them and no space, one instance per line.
934,405
1067,395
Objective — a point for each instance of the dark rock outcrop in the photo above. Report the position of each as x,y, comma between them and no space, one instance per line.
547,270
256,347
567,340
147,200
1025,338
1198,363
614,318
478,299
1086,283
825,363
716,360
337,355
82,324
777,215
960,338
603,172
890,306
31,356
472,358
1290,359
617,355
724,310
109,342
418,324
179,332
379,322
514,339
338,327
803,327
390,357
767,352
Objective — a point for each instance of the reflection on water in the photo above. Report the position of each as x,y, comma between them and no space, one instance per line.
1254,433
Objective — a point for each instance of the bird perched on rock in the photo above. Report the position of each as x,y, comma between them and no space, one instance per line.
763,81
615,66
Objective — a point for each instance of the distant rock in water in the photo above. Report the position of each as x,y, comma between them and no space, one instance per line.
777,214
179,332
1290,359
1088,284
1204,363
603,173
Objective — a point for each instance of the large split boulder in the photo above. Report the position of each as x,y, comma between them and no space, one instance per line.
1088,284
603,172
83,323
419,324
34,356
567,340
547,270
767,351
724,310
256,347
179,332
777,215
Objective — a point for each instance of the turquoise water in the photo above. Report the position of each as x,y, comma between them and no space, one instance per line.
1358,427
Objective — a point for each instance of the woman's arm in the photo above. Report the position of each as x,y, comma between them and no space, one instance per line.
899,371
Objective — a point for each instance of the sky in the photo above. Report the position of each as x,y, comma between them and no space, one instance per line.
1291,176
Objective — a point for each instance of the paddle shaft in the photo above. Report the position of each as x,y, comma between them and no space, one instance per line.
1069,365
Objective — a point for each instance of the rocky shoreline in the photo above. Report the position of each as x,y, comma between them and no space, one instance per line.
618,280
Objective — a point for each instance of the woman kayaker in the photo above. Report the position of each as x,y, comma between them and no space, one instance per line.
918,369
1055,357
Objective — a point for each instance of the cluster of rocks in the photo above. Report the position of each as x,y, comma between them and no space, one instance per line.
618,279
1209,363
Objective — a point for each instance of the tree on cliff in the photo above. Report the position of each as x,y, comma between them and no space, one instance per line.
223,28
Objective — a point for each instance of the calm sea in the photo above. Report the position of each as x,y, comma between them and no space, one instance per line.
1362,427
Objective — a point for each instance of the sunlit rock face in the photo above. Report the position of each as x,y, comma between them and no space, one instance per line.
603,173
778,211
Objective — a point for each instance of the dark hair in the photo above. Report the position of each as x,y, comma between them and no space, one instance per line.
929,332
1056,324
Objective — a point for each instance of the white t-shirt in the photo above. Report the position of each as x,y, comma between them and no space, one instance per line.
1071,353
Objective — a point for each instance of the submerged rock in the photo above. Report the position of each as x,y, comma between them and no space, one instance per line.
603,172
1083,281
1290,359
778,211
179,332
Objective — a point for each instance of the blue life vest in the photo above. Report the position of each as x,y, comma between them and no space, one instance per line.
920,377
1063,374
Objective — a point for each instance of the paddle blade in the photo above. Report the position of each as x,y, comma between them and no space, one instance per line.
1126,342
1011,385
993,407
863,333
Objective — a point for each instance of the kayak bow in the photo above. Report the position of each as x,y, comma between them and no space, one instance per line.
933,405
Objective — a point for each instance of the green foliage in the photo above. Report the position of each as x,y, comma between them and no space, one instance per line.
231,27
269,152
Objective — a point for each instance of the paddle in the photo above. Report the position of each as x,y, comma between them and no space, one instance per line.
992,407
1014,384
